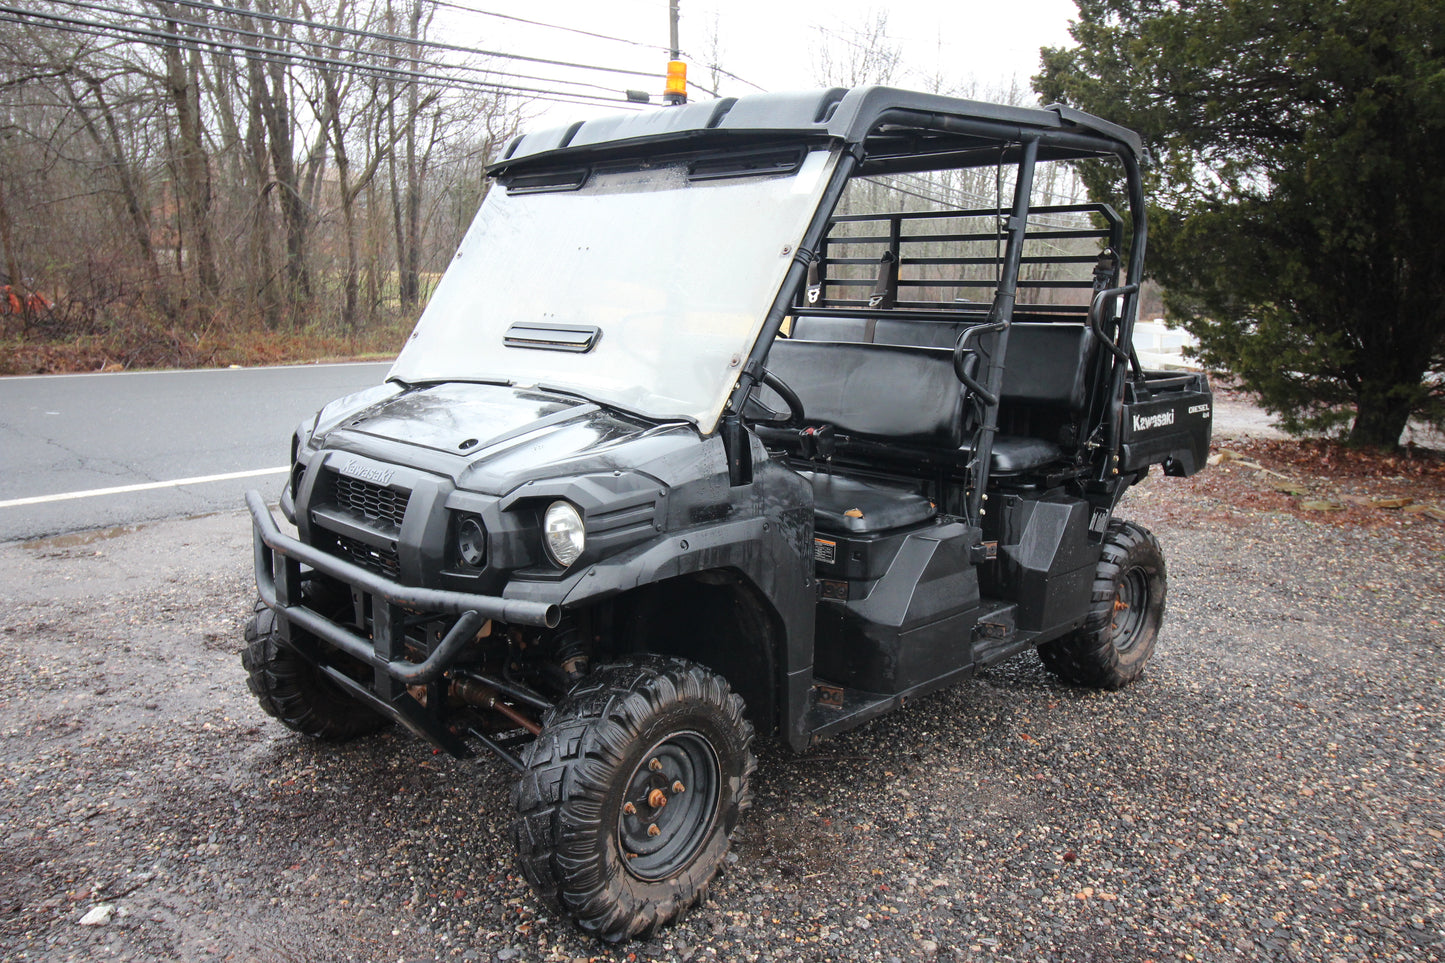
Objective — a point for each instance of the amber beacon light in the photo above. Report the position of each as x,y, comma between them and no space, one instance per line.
675,91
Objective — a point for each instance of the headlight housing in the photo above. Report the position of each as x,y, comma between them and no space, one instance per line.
471,541
563,534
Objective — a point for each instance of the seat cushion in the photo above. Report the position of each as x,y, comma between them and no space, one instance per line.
1015,453
843,504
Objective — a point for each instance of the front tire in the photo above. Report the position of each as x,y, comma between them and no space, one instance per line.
295,692
630,795
1110,649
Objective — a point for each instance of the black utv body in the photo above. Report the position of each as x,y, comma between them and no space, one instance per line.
699,438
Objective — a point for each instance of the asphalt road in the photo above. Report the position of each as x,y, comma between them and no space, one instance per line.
64,435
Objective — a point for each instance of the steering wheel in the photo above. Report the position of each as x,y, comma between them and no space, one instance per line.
758,413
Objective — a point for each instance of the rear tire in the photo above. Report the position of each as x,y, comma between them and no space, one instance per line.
295,692
630,794
1110,649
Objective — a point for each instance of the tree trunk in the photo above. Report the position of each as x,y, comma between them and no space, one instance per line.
1380,420
275,109
7,245
350,280
193,179
409,261
262,254
114,154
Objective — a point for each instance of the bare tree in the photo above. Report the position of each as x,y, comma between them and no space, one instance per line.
173,172
854,56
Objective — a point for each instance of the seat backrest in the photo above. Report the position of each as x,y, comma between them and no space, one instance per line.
903,393
1048,363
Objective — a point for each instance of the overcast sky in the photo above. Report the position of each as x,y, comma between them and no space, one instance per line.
974,46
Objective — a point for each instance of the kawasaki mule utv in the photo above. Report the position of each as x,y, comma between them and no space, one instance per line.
729,418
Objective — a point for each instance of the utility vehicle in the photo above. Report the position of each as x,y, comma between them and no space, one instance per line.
729,418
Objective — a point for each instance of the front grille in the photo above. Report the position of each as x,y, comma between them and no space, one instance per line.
374,501
378,560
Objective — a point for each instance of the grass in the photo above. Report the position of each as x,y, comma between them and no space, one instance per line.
139,347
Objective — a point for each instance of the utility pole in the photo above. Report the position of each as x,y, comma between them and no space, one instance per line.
676,90
672,25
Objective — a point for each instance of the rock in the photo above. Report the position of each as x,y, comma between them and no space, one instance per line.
99,915
928,947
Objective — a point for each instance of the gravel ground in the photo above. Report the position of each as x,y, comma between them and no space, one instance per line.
1273,789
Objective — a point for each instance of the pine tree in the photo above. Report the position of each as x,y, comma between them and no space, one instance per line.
1298,212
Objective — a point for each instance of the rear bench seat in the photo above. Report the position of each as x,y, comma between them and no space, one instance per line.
1048,363
904,392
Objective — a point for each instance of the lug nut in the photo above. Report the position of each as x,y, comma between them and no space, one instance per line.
657,799
630,809
653,830
679,787
655,765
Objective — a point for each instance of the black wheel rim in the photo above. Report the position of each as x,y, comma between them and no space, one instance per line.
1131,604
669,806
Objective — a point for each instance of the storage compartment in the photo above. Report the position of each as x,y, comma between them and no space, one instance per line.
911,625
1168,421
1045,560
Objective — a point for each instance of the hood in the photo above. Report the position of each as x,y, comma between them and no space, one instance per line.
495,435
461,419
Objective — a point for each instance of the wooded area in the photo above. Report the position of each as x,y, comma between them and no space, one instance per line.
178,177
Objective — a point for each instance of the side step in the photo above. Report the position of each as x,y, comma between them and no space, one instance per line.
996,635
833,709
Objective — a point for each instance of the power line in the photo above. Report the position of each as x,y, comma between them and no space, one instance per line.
550,26
337,48
395,38
729,73
164,39
602,36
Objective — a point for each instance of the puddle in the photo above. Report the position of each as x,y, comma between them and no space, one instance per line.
78,539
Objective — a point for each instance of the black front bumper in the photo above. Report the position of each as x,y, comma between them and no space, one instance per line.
279,558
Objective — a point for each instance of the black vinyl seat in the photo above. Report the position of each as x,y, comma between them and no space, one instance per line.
1013,454
849,506
893,379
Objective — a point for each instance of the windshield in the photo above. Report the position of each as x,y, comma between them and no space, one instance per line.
654,284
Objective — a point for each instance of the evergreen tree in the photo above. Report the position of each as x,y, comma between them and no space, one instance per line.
1298,201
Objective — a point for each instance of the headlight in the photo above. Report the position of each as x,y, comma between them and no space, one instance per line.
563,533
471,542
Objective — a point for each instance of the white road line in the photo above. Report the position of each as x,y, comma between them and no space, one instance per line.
144,487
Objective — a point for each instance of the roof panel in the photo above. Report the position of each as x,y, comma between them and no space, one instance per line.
842,115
